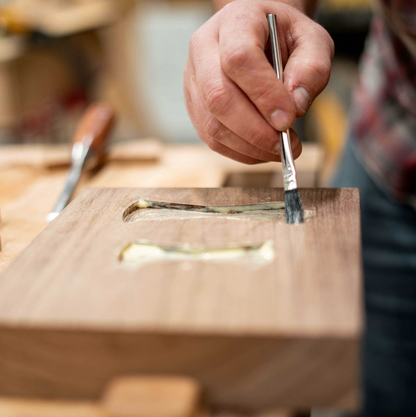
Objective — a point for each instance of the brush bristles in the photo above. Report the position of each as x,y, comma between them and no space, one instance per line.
294,208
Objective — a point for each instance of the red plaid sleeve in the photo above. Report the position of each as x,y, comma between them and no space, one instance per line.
384,104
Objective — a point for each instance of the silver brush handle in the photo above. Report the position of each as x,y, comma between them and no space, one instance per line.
289,171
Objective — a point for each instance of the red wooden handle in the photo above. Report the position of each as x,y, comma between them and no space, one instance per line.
95,127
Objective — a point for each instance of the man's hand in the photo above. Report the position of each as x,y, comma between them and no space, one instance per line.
233,96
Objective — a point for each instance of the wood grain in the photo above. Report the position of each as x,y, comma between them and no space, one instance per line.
283,335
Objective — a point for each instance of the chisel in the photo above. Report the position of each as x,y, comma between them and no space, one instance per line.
89,142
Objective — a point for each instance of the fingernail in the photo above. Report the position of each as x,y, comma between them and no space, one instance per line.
302,98
280,120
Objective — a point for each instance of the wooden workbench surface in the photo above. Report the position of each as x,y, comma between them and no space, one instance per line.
33,177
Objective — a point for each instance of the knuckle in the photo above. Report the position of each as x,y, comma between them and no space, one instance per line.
318,68
237,11
217,99
229,8
264,96
327,40
187,76
188,102
213,128
323,70
194,42
186,71
235,57
187,94
331,46
213,145
263,138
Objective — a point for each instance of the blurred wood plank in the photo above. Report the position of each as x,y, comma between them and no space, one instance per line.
57,18
41,408
49,156
134,396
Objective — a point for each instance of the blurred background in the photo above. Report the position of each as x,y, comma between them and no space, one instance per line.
57,56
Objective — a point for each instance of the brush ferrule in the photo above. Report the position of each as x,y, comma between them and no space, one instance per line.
290,184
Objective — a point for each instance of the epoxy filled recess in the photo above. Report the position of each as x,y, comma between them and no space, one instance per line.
143,252
146,210
158,210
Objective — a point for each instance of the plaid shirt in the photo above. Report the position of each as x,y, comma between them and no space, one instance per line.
384,104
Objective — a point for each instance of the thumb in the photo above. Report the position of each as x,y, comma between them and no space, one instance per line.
308,68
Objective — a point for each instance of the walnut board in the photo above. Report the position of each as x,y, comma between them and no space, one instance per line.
36,176
282,335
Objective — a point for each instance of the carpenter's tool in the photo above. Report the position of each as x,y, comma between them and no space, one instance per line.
294,209
89,142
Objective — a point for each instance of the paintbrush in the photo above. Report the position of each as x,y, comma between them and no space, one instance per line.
294,208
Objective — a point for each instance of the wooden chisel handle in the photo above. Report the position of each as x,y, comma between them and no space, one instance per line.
95,127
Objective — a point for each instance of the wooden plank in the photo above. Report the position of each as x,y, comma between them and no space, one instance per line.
37,182
284,334
49,156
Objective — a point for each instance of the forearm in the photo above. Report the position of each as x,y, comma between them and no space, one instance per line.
305,6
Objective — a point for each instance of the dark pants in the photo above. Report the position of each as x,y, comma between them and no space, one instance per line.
389,256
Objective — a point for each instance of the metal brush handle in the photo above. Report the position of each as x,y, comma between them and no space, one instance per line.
289,170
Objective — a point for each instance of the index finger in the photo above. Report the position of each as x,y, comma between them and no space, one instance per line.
241,47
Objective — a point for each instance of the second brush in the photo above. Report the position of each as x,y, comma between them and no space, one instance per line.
294,208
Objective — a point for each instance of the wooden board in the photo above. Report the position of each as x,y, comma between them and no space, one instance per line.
284,334
35,175
53,156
